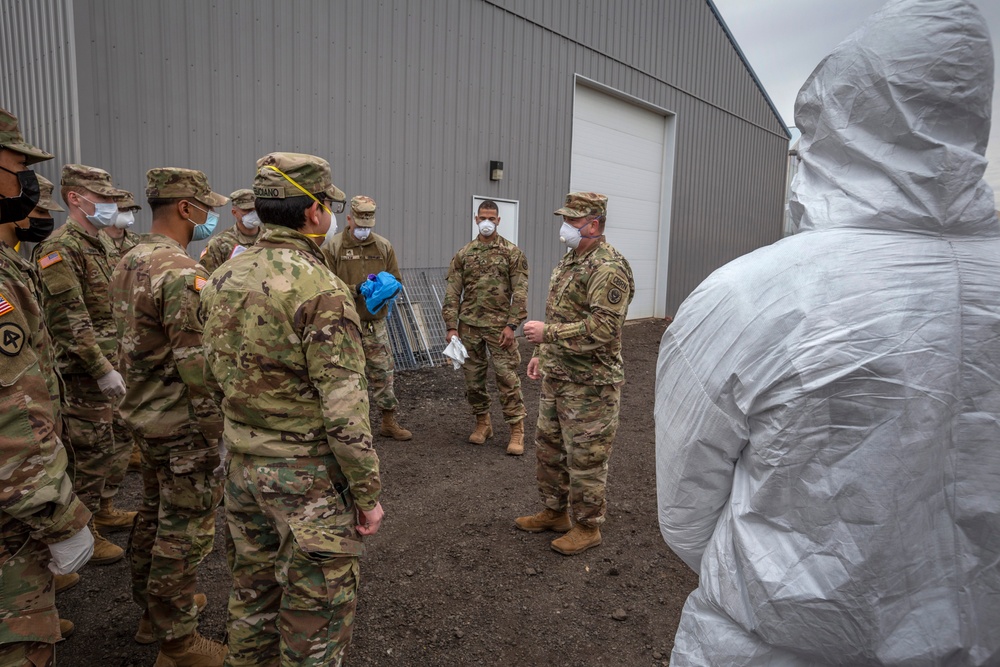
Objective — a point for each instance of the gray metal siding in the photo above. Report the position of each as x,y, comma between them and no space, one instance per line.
410,99
39,77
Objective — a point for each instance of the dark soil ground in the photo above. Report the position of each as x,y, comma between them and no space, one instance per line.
449,580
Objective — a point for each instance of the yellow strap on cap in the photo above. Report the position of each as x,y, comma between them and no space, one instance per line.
292,181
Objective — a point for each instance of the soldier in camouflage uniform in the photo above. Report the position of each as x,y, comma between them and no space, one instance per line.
484,304
75,271
42,521
579,361
155,290
353,255
243,234
302,482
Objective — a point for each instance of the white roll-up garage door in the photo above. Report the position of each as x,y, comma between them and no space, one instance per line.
623,150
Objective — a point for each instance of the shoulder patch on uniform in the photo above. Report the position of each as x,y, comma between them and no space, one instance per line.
615,295
619,283
5,305
199,283
49,260
11,339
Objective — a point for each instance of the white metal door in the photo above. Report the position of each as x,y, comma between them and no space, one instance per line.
621,149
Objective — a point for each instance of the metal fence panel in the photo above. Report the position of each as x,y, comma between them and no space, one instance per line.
416,329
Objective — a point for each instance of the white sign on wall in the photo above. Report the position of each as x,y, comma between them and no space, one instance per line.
507,227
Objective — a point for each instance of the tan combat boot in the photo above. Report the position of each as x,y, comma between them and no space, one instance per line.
577,540
105,553
483,430
64,582
66,628
111,517
144,635
135,460
547,519
191,651
391,428
516,445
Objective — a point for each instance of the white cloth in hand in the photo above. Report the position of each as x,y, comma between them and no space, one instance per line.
70,555
112,384
456,352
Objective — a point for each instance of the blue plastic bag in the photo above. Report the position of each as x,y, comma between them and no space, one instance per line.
379,290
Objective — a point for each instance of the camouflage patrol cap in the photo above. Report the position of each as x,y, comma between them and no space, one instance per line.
309,172
363,211
127,202
243,199
45,201
96,180
582,204
11,139
178,182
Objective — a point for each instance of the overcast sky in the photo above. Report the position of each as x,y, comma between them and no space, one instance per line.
784,40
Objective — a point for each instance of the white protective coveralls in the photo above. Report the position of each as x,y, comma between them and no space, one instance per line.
828,407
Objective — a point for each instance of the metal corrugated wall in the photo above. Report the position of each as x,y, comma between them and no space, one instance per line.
411,99
38,84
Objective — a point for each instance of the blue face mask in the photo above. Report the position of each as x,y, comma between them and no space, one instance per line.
204,230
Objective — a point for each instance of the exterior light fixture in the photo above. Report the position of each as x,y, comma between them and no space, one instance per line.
496,170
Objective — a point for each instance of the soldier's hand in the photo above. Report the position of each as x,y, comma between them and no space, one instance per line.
506,337
533,331
112,384
369,521
451,334
533,373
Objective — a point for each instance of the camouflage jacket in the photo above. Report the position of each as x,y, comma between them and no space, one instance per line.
17,269
589,296
284,341
352,260
115,249
221,247
487,285
75,272
36,494
155,290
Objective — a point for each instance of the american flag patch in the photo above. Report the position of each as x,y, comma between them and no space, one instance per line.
199,282
49,260
5,305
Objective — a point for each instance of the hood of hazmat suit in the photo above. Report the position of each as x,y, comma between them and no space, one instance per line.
828,407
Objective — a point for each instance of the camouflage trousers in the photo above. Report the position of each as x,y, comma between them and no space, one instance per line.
378,363
27,593
97,461
174,529
27,654
483,343
573,438
294,558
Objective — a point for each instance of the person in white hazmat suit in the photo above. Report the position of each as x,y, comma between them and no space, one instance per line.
828,407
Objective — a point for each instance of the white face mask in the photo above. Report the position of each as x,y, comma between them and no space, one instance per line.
250,220
486,228
103,215
330,233
569,235
362,233
123,219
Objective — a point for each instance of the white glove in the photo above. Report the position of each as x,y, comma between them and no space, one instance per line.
456,352
220,470
112,385
70,555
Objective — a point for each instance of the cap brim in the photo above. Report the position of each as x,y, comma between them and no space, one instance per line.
246,207
569,213
213,199
53,207
33,154
364,222
335,193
